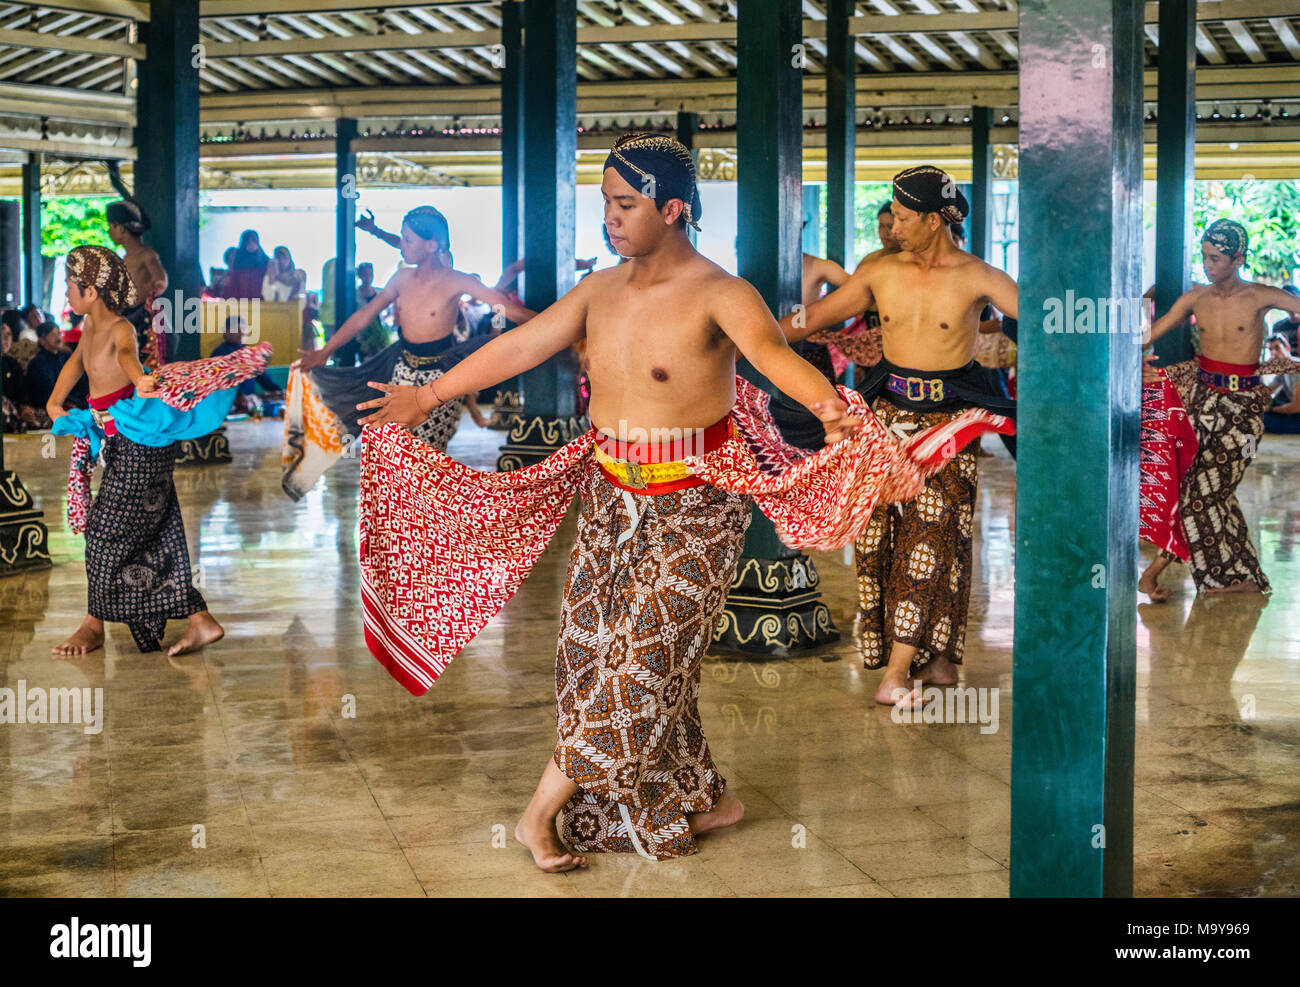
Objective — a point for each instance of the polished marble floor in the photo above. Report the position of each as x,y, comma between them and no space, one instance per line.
284,761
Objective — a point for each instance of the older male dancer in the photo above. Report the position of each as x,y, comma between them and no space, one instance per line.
1225,400
914,562
656,547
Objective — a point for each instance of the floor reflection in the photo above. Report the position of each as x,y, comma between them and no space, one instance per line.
284,761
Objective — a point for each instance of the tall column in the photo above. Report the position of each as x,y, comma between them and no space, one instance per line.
1076,555
1175,167
550,172
345,221
841,133
508,403
687,124
981,185
23,535
167,136
774,606
33,263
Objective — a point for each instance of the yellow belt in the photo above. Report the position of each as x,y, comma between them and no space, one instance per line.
639,475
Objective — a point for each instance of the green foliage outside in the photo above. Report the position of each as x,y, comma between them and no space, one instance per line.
1270,211
73,221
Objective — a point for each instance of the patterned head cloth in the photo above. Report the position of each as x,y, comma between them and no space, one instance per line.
926,188
660,168
1228,236
129,215
102,268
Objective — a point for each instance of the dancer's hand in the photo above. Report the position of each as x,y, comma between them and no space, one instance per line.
54,411
832,414
311,359
400,404
1151,374
146,385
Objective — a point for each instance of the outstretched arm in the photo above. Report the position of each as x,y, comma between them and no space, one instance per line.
499,301
848,301
742,314
358,320
367,223
541,337
1277,298
1178,313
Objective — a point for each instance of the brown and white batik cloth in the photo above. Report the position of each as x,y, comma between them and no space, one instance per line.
646,582
1229,422
914,559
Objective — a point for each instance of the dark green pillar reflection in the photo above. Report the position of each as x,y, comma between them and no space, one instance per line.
774,605
345,222
981,182
550,120
1077,474
1175,167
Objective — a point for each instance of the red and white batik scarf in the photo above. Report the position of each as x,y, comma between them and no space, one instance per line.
444,547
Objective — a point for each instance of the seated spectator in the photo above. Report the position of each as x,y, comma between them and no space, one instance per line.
246,399
1284,415
43,372
32,315
12,385
283,281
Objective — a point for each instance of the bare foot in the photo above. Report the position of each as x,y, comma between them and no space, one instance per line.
544,844
1148,585
203,629
1245,586
727,812
938,672
894,690
88,637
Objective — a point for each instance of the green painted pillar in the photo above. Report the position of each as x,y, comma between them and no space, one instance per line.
810,240
687,124
774,605
509,400
345,222
166,173
1175,167
1077,475
841,133
981,186
33,263
550,112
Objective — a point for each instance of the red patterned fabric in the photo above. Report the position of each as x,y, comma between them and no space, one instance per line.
1168,450
444,547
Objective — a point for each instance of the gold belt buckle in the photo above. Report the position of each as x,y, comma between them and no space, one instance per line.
100,417
920,389
635,478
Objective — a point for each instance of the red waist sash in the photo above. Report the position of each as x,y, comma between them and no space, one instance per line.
106,401
681,442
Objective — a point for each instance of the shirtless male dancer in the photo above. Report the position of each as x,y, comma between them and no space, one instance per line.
127,223
914,561
426,297
650,570
1225,400
137,560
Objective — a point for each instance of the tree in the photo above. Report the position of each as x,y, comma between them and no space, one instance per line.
73,221
1270,211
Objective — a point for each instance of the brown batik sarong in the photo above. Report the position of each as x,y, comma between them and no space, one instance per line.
1228,425
647,579
914,559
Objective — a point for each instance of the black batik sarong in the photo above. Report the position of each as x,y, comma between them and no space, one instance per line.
137,560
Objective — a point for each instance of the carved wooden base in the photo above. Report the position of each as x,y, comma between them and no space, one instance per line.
534,437
24,540
774,608
507,410
211,448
